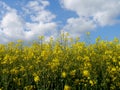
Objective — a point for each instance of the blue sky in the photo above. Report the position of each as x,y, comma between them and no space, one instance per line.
28,19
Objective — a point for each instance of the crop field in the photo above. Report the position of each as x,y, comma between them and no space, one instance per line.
61,64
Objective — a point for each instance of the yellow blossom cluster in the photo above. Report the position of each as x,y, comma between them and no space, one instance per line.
61,64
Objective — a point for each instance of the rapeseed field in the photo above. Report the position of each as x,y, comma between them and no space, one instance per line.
61,64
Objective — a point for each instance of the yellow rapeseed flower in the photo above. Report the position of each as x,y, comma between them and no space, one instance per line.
67,87
91,82
1,88
22,68
72,73
86,73
86,58
63,75
19,41
29,87
5,71
87,33
14,71
114,59
36,79
113,69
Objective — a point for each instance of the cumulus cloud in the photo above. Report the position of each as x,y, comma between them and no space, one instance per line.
13,26
76,26
37,12
11,23
99,12
41,19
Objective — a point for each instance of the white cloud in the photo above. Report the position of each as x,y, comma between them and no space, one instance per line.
4,6
14,26
37,12
35,6
76,26
11,25
37,29
41,19
42,16
101,12
91,7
